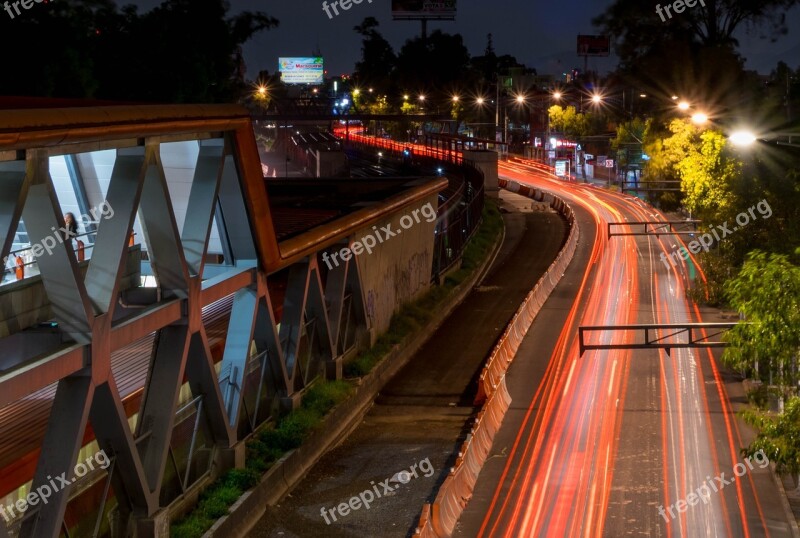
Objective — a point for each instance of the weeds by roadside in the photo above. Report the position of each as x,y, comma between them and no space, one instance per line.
263,449
413,316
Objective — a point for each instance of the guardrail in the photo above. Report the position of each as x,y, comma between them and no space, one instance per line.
439,519
458,217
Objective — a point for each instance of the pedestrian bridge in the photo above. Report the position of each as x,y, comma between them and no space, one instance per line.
190,306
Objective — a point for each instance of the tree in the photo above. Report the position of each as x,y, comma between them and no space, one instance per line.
767,293
778,437
439,63
697,158
638,28
90,49
569,121
377,56
693,54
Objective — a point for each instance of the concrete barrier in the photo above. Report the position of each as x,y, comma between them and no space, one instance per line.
508,344
439,519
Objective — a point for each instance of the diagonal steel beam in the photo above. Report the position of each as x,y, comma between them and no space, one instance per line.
62,443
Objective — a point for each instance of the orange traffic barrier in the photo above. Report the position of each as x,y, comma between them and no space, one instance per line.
440,519
20,269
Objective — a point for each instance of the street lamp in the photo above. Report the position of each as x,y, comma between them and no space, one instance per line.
597,99
683,105
700,118
742,138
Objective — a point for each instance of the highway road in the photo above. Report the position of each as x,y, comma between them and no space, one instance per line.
617,443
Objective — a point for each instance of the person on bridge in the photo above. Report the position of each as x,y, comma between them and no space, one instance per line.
70,228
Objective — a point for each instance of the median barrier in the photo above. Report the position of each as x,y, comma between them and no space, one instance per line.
438,520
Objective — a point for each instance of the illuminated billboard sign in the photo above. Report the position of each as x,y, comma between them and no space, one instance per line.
444,10
594,45
301,70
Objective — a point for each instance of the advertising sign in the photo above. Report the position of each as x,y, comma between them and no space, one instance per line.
444,10
561,168
301,70
594,45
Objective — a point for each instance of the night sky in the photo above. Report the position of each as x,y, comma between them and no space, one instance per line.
540,34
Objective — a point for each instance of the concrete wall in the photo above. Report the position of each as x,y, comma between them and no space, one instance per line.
486,162
399,269
331,164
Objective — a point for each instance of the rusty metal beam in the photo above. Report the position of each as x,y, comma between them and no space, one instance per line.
325,235
20,129
38,373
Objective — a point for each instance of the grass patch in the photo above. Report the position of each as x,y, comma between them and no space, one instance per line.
263,449
269,444
416,315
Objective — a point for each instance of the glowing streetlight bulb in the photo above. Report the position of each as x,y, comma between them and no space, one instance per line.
520,99
596,98
479,100
699,118
557,95
742,138
683,105
455,99
421,97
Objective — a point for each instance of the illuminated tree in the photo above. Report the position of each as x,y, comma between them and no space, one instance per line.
767,293
697,158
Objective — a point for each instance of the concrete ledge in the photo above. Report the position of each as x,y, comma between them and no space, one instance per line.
787,508
287,472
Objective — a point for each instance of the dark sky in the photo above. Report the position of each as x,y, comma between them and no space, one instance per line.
540,34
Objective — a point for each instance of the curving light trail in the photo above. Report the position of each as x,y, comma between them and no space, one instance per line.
560,470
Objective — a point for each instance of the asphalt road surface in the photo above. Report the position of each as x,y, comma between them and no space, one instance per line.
619,442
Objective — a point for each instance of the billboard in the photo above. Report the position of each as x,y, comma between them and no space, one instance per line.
594,45
424,9
301,70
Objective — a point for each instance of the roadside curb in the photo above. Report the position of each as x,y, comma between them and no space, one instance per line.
288,471
785,502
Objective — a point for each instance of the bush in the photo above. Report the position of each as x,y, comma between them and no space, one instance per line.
759,396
